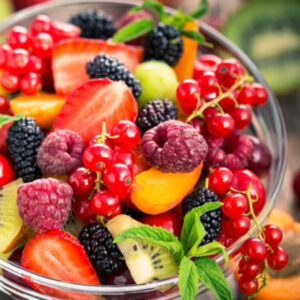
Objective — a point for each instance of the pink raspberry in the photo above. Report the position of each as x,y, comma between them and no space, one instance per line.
44,204
174,146
61,152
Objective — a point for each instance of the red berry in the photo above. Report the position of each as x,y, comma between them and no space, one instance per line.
104,203
239,226
247,287
235,205
209,112
118,179
40,24
7,173
61,31
125,158
18,61
4,105
278,259
128,133
241,115
249,270
246,95
296,185
220,180
261,94
42,45
31,83
82,181
82,210
199,125
18,37
98,157
208,83
227,73
186,92
220,125
206,63
5,51
273,235
115,213
255,250
36,65
10,82
228,103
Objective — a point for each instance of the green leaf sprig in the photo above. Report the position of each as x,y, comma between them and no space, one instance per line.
5,119
194,265
140,27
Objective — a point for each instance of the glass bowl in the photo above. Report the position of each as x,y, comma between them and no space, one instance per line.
268,125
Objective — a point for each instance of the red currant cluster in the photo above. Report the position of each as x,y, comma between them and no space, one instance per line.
220,95
27,52
106,178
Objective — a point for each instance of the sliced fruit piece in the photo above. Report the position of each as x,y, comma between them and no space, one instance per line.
12,229
155,192
185,65
74,225
70,58
58,255
146,261
43,107
94,102
268,31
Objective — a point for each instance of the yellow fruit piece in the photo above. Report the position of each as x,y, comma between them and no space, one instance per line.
155,192
44,108
63,177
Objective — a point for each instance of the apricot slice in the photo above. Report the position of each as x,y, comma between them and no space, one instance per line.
44,108
155,192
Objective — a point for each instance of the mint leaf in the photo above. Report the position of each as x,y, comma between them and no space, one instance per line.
192,230
133,30
188,279
157,235
178,19
212,249
194,35
213,278
4,119
154,5
201,10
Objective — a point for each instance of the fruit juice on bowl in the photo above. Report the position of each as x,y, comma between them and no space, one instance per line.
165,152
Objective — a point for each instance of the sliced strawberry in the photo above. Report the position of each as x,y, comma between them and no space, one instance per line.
58,255
94,102
61,31
70,58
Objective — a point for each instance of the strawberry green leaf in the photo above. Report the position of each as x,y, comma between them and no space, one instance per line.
201,10
213,278
4,119
188,279
153,234
133,30
154,5
194,35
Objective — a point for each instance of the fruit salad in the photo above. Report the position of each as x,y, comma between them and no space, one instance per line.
123,155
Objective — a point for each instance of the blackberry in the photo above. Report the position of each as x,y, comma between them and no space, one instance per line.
155,112
104,255
103,66
94,24
23,141
163,43
135,214
211,220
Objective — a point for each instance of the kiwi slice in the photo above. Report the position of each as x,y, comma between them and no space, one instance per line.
269,32
74,225
146,261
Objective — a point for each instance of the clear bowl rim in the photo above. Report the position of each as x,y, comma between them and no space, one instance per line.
281,131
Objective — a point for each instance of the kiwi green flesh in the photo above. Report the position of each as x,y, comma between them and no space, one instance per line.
74,225
269,32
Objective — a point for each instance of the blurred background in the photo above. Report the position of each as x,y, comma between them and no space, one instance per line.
269,32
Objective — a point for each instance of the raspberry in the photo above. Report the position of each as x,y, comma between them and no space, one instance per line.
60,152
44,204
155,112
174,146
211,220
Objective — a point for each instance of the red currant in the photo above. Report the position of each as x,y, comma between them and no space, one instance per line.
273,235
7,173
209,112
228,103
18,61
31,83
220,125
226,240
103,203
246,95
247,287
249,270
36,64
4,105
235,205
278,259
61,31
98,157
255,250
42,45
82,181
118,179
82,210
125,158
115,213
220,180
208,83
241,115
239,226
227,73
206,63
40,24
199,125
10,82
128,133
5,51
261,94
18,37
